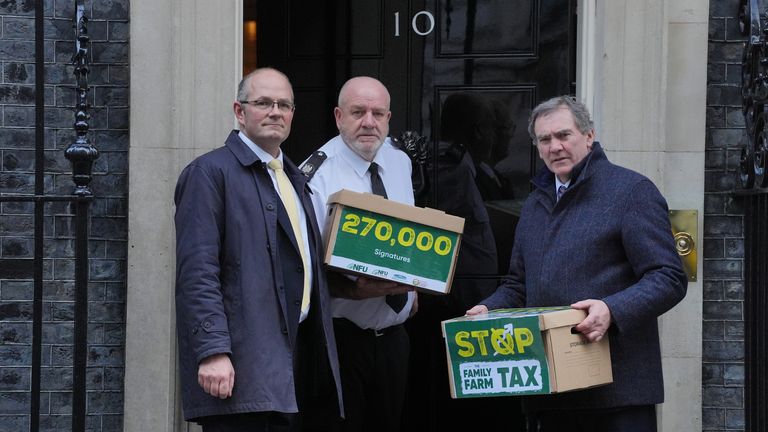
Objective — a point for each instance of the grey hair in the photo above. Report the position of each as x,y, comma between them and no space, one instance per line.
242,87
578,110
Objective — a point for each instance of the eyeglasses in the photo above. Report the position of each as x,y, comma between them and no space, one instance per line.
266,105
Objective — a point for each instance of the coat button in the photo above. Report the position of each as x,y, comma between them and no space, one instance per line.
207,324
270,206
284,330
296,302
194,330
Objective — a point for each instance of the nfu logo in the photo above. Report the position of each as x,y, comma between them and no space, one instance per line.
379,272
358,267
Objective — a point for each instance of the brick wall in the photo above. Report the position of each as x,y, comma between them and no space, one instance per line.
108,226
723,245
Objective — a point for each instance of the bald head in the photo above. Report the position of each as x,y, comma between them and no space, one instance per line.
362,116
364,84
243,87
266,127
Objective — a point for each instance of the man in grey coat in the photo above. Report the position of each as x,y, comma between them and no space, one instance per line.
596,236
252,305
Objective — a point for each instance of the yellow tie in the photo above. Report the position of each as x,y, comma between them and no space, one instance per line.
286,196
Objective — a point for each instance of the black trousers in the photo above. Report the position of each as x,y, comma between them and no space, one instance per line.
246,422
625,419
374,373
429,406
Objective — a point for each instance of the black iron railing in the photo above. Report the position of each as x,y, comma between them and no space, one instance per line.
753,167
81,154
755,307
753,176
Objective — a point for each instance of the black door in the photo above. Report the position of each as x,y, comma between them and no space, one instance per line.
465,74
511,54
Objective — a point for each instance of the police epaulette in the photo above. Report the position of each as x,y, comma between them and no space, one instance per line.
310,166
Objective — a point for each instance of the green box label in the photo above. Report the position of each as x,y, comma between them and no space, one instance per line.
497,356
393,248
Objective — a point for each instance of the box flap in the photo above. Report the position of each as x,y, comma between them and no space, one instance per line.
575,363
561,318
374,203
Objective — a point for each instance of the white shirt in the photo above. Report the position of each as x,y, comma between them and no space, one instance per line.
345,169
266,158
558,183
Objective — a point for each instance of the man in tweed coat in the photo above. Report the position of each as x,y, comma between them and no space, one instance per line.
596,236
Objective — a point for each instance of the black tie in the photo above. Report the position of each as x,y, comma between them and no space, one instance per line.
377,186
395,301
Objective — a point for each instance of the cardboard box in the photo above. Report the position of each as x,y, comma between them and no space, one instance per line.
372,236
523,352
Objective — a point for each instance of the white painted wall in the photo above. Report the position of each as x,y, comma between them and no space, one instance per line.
185,65
648,94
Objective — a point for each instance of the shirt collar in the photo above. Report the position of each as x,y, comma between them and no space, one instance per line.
558,183
260,152
360,165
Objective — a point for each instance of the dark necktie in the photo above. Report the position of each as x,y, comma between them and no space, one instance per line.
561,191
395,301
377,186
